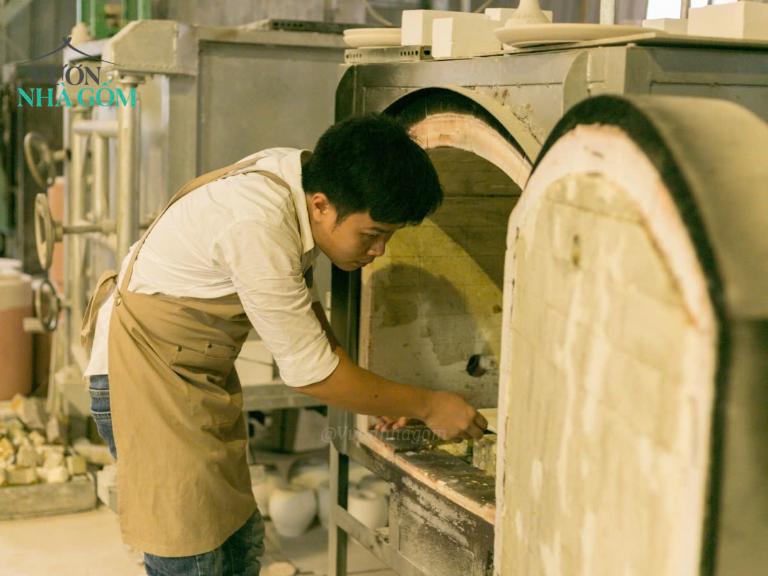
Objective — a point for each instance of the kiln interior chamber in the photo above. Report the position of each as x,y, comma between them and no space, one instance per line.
431,306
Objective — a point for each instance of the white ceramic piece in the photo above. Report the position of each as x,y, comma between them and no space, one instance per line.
45,449
357,472
80,34
458,449
53,459
742,20
26,457
37,439
484,454
668,25
462,38
368,507
54,432
491,416
417,24
528,12
18,437
375,484
20,476
263,482
76,465
372,37
106,478
517,36
42,474
7,450
504,14
322,493
57,475
30,410
94,453
280,569
309,472
292,509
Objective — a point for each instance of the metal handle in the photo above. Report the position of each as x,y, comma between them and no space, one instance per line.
47,306
40,160
49,231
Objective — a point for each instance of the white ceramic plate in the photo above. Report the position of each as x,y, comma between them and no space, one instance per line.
365,37
531,34
532,43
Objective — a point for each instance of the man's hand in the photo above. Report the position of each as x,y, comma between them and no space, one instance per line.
358,390
386,423
450,417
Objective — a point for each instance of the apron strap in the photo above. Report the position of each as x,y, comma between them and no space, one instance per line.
106,283
193,184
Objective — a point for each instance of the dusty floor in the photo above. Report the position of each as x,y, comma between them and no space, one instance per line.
88,544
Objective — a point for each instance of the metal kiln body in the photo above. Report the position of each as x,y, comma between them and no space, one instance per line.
437,298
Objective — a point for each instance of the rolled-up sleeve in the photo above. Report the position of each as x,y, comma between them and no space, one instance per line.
264,262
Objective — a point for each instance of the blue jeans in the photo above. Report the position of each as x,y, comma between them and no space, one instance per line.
238,556
99,391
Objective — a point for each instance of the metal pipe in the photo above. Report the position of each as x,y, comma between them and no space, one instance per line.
329,10
75,243
107,128
607,11
127,209
685,5
107,242
100,189
86,227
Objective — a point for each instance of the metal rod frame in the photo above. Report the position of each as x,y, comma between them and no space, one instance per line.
100,190
97,127
607,11
127,209
74,244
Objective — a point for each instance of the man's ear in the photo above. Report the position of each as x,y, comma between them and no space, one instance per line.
319,205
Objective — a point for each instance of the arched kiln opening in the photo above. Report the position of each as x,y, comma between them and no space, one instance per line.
431,307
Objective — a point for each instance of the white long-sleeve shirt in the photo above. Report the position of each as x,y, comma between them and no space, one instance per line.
243,234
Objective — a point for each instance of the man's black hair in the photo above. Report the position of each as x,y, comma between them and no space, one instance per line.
370,163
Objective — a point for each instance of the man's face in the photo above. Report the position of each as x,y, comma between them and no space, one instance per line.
352,243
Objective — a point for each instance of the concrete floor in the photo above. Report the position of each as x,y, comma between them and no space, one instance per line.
88,544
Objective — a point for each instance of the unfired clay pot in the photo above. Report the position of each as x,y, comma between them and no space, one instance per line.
368,507
292,509
264,480
375,484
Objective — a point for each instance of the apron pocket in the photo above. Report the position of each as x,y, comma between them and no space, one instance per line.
205,375
214,363
213,350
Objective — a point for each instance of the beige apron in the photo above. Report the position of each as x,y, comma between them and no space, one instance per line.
176,402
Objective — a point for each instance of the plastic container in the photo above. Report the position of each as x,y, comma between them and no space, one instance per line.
15,343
